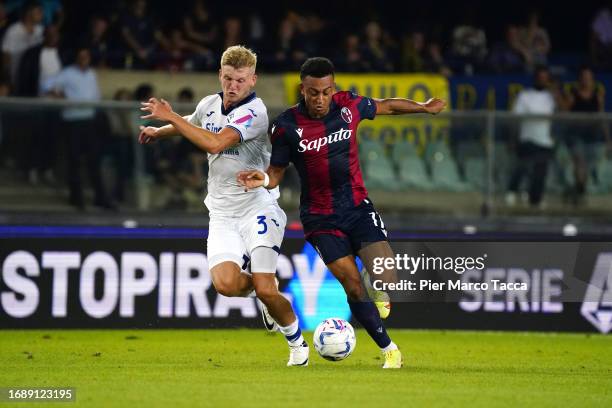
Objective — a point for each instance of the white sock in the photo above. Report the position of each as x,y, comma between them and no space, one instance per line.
292,333
391,346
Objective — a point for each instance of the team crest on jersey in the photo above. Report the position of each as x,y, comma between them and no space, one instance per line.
346,114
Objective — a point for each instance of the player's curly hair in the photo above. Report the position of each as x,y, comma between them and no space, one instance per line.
317,67
239,56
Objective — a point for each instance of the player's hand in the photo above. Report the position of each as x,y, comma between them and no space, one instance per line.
434,106
158,109
250,179
148,134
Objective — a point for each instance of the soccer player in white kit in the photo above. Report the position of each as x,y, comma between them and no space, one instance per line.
232,127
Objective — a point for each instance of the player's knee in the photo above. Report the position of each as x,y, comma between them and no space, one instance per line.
266,292
226,287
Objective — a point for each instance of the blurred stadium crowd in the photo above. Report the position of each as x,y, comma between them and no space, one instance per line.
189,36
51,48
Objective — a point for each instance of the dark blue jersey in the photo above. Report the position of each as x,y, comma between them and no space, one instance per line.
324,152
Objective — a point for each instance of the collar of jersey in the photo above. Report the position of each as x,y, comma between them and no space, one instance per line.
248,99
304,111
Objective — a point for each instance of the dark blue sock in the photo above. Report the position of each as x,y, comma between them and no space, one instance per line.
367,314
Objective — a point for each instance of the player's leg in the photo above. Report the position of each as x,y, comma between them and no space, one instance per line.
263,267
227,258
368,254
364,310
368,237
335,250
263,235
229,279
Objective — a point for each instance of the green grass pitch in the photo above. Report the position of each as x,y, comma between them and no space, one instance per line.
229,368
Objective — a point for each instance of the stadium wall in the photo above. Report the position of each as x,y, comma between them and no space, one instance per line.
106,277
167,84
279,90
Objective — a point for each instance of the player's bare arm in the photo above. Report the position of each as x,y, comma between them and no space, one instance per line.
251,179
401,106
208,141
149,134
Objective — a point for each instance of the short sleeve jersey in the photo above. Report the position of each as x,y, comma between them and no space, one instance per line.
324,152
226,197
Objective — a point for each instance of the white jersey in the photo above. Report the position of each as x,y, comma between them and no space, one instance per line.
226,197
536,131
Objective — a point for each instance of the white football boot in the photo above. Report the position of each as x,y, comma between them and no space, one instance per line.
298,355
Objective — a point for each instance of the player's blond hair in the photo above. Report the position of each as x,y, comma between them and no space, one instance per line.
239,56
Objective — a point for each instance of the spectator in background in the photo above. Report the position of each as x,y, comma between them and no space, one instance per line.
350,59
374,50
99,44
311,34
21,35
185,95
256,30
121,130
141,37
418,56
584,138
232,33
53,12
185,55
7,142
506,57
534,42
200,27
37,65
535,139
3,20
289,52
469,45
601,38
79,83
188,167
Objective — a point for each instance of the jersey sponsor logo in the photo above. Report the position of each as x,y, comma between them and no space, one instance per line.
597,304
346,114
246,121
212,128
340,135
232,151
299,132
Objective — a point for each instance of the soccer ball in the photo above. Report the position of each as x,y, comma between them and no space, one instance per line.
334,339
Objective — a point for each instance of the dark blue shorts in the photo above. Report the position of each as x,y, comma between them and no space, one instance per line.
344,233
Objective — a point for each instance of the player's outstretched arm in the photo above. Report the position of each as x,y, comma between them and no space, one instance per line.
251,179
400,106
149,134
210,142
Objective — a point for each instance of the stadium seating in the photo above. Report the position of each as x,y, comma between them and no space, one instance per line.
413,174
445,175
379,172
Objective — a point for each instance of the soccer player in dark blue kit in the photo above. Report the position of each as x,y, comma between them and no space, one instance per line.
319,136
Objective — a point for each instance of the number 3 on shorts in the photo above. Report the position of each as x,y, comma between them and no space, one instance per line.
261,219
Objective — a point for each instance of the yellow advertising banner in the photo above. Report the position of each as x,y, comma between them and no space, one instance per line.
418,129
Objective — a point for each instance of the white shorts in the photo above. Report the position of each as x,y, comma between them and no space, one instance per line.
233,239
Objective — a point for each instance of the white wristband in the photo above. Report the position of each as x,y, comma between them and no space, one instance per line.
266,180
